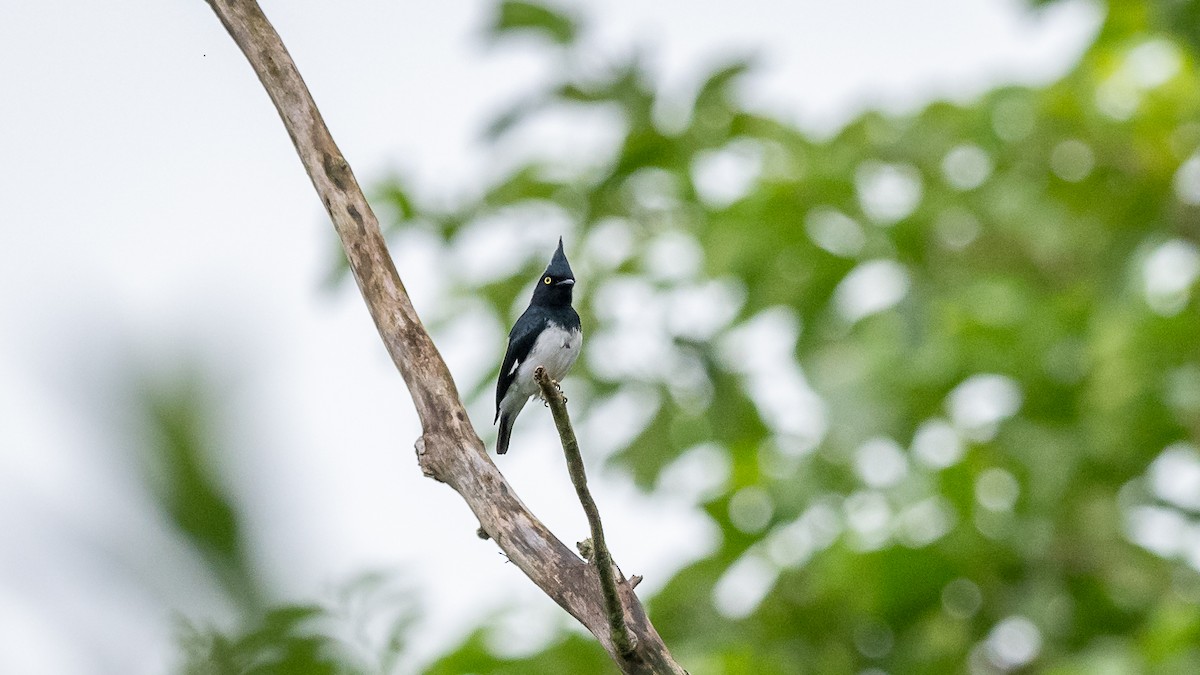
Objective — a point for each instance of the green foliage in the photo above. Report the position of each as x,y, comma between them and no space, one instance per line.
362,632
285,643
178,467
964,494
573,654
513,16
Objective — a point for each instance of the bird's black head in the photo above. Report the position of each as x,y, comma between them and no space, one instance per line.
556,283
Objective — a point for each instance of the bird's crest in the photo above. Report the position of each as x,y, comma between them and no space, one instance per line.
559,268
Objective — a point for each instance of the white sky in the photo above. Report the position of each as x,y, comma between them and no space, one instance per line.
153,206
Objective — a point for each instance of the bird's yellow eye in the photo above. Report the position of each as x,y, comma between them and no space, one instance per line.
546,281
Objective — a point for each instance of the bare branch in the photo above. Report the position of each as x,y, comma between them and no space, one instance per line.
622,639
449,450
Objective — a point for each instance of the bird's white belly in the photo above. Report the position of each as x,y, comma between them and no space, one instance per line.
556,350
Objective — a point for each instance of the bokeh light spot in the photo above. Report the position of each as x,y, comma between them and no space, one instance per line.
1187,181
997,489
879,462
1072,160
834,231
961,598
981,402
750,509
724,176
869,288
1014,642
966,167
936,444
1168,273
1175,476
744,585
888,192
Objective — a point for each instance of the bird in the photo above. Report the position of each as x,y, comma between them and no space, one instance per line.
547,334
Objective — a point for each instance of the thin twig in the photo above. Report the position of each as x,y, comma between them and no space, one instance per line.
625,641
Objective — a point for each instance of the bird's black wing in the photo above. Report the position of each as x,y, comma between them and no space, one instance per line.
521,338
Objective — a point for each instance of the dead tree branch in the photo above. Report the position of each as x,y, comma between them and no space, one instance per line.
449,450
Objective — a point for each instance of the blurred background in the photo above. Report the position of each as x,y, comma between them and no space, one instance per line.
891,361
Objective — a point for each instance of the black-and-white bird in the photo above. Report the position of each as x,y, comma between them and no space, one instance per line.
548,334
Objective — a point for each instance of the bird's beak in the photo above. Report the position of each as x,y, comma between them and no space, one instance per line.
566,282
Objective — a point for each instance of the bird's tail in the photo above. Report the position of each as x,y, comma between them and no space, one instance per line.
506,425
